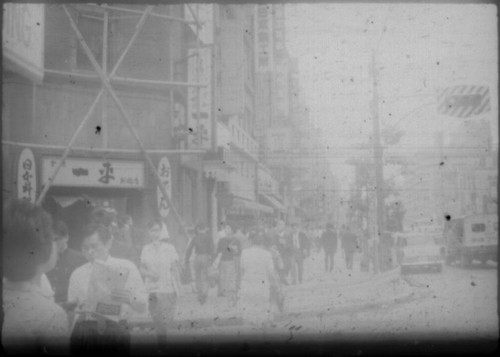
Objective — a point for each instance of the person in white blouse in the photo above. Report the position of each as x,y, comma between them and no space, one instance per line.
32,323
160,268
107,291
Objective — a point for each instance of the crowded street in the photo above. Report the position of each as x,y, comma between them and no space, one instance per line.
437,307
211,178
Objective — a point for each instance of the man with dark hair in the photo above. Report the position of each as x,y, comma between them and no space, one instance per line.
68,260
203,247
300,248
106,289
329,242
32,322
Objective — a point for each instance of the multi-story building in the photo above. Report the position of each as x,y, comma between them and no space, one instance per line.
55,94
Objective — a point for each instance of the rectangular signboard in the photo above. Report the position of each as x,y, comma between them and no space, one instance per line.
94,173
264,38
23,39
200,108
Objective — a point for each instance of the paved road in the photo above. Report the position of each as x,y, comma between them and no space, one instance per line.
456,304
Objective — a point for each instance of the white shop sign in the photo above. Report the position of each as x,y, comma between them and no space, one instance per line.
26,176
94,173
23,39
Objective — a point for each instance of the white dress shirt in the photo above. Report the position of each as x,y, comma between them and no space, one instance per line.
80,281
159,257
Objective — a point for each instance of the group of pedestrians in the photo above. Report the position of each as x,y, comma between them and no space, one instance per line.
57,300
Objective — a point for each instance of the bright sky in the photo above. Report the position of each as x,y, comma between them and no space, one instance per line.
418,47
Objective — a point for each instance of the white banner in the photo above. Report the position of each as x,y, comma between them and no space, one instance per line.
200,71
23,39
165,174
94,173
26,176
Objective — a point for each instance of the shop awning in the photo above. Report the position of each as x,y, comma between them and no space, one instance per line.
273,202
240,203
218,170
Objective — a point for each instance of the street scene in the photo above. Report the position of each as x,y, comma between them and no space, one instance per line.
252,178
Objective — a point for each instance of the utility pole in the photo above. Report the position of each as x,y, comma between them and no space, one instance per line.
377,151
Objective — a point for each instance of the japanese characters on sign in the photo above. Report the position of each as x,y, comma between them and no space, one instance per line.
279,30
23,39
165,173
94,173
200,108
264,38
26,176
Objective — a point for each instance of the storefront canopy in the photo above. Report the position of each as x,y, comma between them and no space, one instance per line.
246,205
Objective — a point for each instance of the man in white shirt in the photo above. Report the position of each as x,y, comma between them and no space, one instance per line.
160,268
106,290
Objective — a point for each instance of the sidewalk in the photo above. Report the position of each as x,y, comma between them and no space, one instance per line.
321,292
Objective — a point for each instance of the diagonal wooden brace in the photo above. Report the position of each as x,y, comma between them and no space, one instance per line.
125,116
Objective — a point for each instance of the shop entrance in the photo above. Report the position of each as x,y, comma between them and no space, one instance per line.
74,206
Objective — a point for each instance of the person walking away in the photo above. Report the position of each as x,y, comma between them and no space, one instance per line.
349,244
32,322
228,250
373,253
329,242
257,279
159,265
282,241
68,260
203,247
107,291
300,248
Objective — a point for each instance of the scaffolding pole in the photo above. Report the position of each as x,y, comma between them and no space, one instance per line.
125,116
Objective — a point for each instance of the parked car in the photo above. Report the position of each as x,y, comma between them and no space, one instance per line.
420,251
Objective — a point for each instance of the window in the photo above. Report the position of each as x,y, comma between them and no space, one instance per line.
91,27
478,227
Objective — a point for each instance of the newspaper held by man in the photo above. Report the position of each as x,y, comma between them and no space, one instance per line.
106,292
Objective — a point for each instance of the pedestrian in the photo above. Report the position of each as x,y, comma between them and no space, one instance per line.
107,291
282,242
227,255
329,243
258,277
160,268
68,260
203,247
349,244
300,249
32,322
373,253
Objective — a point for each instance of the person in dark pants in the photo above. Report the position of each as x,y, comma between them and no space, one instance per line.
203,247
106,290
329,242
300,246
283,246
349,244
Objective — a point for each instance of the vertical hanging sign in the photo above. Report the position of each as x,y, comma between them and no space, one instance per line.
23,39
165,174
200,107
26,176
264,38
